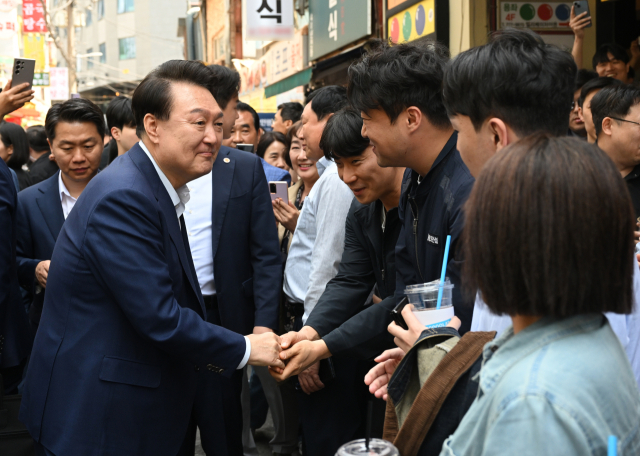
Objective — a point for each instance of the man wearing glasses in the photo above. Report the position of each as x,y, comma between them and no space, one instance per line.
616,116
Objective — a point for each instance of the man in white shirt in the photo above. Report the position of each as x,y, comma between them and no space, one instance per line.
234,244
75,131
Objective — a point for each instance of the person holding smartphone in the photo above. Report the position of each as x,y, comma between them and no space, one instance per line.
12,98
287,212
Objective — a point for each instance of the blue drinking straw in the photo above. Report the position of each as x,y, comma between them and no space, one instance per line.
613,446
444,270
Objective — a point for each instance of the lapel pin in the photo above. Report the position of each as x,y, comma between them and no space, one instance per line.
226,160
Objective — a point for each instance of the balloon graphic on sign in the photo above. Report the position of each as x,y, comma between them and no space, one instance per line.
394,32
527,12
420,20
406,26
563,12
545,12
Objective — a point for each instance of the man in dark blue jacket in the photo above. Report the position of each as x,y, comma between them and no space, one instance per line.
398,92
76,132
123,332
15,335
234,242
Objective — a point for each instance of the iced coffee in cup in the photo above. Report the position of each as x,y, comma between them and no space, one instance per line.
376,447
424,298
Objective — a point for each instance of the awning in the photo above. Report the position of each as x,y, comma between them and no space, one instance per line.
293,81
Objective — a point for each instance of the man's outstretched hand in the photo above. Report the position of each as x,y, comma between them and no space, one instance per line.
265,350
301,356
12,98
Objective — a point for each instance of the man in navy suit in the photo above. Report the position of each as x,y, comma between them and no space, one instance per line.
234,242
122,334
75,132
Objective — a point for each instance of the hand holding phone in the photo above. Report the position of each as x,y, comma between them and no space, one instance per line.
396,313
23,70
279,189
579,24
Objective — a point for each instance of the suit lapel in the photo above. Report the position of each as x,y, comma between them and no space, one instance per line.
140,158
50,206
222,175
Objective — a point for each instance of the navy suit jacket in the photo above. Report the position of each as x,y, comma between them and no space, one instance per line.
15,334
247,264
122,334
40,220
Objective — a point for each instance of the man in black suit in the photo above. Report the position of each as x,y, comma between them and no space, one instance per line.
75,131
15,335
234,244
43,165
337,325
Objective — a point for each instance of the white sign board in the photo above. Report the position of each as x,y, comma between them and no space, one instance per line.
268,20
59,83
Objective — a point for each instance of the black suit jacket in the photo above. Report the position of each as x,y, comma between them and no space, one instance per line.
42,169
247,265
340,317
40,220
15,335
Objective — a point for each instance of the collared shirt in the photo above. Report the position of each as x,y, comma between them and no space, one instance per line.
626,327
633,184
179,199
198,218
318,242
559,386
66,199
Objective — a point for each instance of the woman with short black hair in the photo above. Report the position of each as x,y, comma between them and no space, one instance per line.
14,150
548,231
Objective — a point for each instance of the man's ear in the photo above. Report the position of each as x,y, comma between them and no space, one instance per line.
288,123
499,133
607,126
151,128
116,133
413,118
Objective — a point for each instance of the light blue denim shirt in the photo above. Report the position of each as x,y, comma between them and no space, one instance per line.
558,387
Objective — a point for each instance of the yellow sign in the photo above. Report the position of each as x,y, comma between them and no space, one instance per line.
257,101
34,49
412,23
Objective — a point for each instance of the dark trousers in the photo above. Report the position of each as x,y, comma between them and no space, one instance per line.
337,413
217,410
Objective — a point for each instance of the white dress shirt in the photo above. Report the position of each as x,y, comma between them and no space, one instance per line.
626,327
179,199
198,219
318,241
66,199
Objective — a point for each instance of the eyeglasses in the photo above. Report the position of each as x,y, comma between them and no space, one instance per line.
624,120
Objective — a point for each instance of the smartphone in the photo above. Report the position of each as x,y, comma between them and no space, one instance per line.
279,189
245,147
326,371
580,7
23,70
396,313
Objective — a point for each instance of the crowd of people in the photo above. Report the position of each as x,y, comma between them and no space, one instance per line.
142,277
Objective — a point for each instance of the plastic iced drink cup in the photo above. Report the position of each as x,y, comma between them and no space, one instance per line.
376,447
424,298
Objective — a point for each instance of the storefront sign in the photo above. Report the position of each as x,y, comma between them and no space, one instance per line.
268,20
286,58
59,83
535,15
34,49
415,22
8,24
337,23
41,79
33,17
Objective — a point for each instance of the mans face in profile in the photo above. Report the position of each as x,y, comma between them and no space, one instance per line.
188,141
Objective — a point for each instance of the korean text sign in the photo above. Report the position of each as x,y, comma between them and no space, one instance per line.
336,23
33,17
269,20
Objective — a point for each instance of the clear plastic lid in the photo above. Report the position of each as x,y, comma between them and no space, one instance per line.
377,447
429,286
